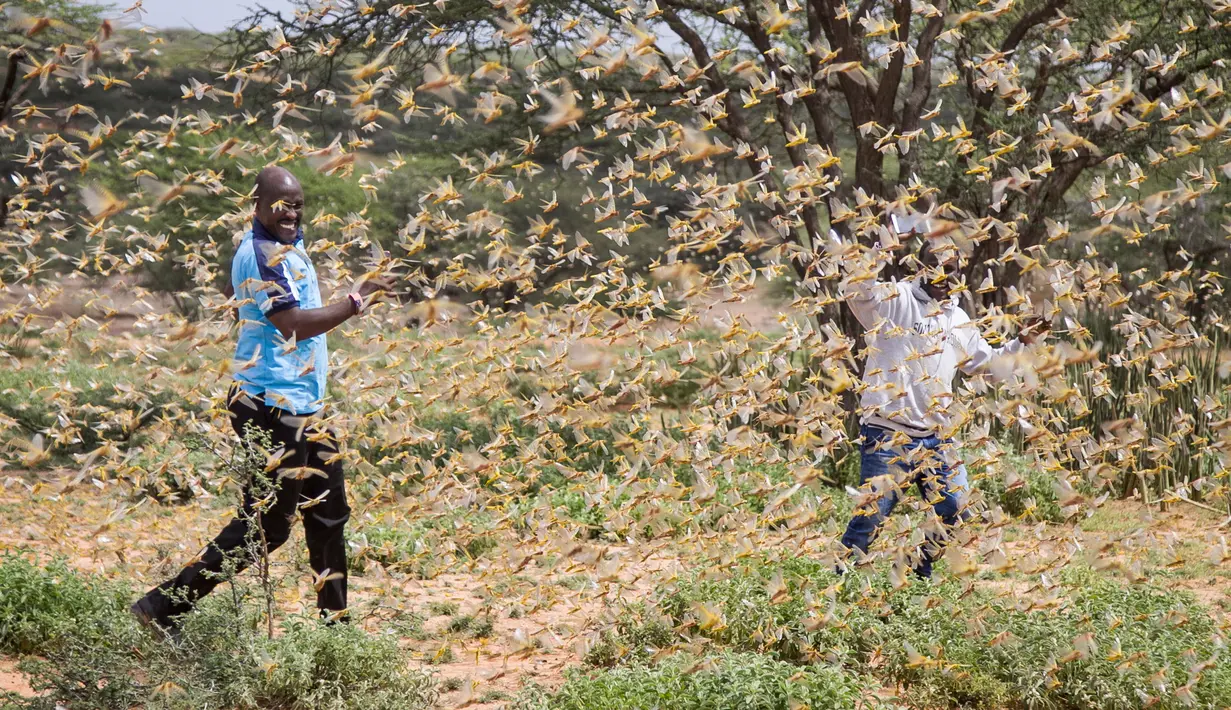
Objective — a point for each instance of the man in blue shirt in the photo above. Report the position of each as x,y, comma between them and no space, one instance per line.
282,362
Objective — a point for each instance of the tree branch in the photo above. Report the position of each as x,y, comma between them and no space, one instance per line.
782,110
921,80
6,93
816,104
864,8
984,99
887,92
734,123
707,11
860,97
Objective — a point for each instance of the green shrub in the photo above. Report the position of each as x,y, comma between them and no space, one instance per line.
1155,629
40,606
1103,641
1035,499
106,661
438,608
316,666
171,472
572,505
679,394
477,546
473,429
476,626
750,622
406,624
85,406
221,660
633,639
727,680
406,547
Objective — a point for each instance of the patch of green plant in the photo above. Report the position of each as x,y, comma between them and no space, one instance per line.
1091,642
680,393
439,608
441,656
576,582
222,658
477,546
750,619
532,696
1032,498
408,625
523,386
172,472
573,505
475,626
1113,392
633,639
726,680
41,606
510,583
406,547
316,666
83,406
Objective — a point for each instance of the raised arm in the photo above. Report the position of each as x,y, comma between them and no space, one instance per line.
870,299
979,352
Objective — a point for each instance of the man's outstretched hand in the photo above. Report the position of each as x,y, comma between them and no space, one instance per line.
1034,329
370,290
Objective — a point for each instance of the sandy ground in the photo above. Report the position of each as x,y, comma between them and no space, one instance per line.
12,680
104,533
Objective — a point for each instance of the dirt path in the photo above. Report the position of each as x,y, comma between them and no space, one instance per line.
13,680
522,648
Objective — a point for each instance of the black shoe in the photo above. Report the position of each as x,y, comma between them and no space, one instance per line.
334,617
144,612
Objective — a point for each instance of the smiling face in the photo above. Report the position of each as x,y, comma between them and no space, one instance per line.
279,205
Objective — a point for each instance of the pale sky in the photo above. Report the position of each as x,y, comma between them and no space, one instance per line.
204,15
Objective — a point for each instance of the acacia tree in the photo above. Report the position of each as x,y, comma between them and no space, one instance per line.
991,76
829,104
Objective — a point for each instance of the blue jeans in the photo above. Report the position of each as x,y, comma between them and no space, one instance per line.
928,462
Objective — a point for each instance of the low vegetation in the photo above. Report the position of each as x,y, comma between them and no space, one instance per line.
715,682
1086,642
93,654
41,607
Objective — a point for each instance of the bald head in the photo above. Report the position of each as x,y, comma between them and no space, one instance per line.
273,177
279,202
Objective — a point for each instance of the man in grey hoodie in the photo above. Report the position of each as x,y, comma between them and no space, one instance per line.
917,338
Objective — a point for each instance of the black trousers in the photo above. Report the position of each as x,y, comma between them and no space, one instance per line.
303,476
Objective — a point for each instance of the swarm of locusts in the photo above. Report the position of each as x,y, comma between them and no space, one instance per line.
714,125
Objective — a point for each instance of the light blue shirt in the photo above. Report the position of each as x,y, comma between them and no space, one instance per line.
269,277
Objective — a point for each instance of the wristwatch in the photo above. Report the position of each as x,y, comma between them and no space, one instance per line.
356,302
